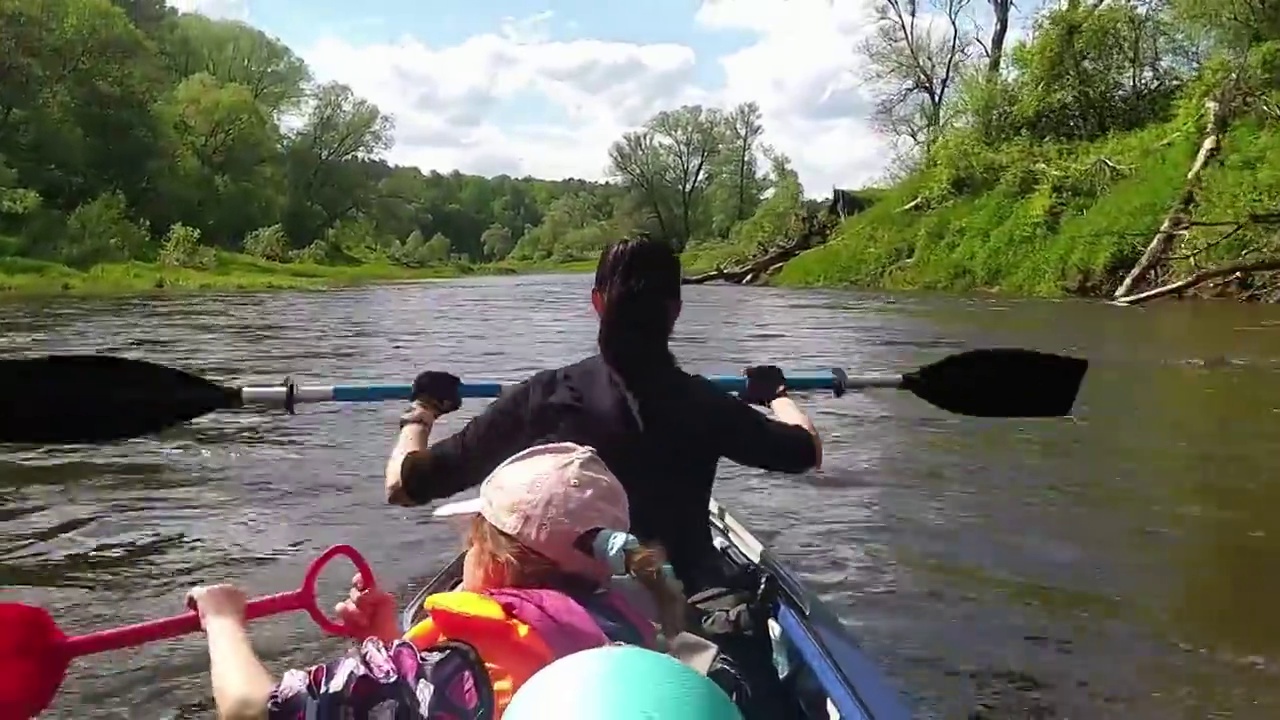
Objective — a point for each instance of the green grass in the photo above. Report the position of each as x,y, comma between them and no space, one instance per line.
1041,227
232,271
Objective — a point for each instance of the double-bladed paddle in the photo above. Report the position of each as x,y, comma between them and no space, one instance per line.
101,398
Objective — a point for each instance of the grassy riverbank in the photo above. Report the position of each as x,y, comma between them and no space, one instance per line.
232,271
1077,168
1057,219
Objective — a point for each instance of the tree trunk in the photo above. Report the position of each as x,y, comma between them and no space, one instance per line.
1001,10
1180,215
1201,277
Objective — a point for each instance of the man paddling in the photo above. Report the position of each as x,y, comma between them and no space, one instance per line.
661,430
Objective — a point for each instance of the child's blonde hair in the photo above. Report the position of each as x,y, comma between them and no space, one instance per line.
518,566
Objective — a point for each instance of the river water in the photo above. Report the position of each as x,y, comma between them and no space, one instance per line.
1122,564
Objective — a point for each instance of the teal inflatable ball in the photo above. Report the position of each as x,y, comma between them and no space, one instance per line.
620,682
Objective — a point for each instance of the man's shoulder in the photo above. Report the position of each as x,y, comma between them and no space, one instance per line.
585,372
563,383
589,364
700,384
543,382
592,374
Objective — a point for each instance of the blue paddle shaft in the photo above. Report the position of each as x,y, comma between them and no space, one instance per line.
379,393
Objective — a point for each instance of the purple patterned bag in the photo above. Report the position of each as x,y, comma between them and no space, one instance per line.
377,682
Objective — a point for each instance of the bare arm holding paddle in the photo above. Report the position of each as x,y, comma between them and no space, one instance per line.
767,386
434,394
787,442
241,684
417,473
413,437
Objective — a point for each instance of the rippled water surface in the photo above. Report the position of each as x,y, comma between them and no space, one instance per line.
1122,564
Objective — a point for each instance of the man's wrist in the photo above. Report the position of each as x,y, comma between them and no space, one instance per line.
415,435
397,495
419,415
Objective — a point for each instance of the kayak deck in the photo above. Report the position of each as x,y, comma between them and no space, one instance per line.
822,652
818,658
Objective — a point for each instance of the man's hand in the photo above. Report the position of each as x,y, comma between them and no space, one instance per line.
419,414
765,383
438,391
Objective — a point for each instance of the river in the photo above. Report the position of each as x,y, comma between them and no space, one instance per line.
1118,565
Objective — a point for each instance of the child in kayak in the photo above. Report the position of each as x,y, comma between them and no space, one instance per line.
550,569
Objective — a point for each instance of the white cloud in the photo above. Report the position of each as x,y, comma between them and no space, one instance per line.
444,99
802,68
222,9
805,72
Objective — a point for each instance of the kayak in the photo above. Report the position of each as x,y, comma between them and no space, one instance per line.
815,654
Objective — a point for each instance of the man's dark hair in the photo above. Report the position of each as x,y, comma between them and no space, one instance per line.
639,281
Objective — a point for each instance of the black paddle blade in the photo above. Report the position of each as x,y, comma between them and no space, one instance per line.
72,399
1007,383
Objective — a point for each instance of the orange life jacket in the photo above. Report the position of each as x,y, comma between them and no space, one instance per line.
511,649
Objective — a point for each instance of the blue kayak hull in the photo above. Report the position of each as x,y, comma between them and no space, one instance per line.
815,653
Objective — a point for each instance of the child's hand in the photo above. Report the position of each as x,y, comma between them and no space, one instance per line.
369,612
217,602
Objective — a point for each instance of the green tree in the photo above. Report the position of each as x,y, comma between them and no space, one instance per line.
436,250
326,175
237,54
668,164
736,180
76,88
224,146
497,242
101,231
268,243
181,248
772,221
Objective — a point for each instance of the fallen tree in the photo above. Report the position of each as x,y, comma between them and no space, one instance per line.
814,230
1199,278
1259,256
1234,271
755,270
1176,222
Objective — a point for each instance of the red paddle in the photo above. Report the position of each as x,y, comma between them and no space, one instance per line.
35,654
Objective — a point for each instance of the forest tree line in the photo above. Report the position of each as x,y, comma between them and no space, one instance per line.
129,131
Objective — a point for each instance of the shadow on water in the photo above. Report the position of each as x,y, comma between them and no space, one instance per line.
1117,565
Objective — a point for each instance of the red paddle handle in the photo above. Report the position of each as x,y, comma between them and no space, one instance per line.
304,598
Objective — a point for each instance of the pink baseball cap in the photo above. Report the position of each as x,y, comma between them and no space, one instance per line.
547,498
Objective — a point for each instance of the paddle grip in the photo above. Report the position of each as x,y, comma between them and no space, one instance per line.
304,598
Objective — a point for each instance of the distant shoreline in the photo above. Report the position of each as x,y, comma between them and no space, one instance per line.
23,277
